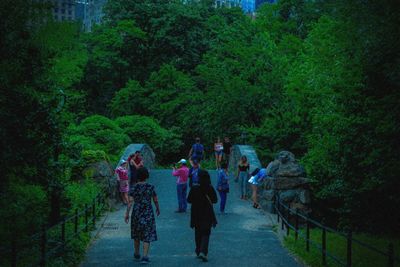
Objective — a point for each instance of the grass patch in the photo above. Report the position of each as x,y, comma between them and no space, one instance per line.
336,245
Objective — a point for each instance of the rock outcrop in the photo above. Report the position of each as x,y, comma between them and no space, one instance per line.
149,158
287,182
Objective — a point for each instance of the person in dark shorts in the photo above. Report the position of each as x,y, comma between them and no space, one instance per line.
202,216
227,149
143,224
197,151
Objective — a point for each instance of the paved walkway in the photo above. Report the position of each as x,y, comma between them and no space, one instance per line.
243,236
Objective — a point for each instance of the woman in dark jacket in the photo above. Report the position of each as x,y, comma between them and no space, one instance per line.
202,216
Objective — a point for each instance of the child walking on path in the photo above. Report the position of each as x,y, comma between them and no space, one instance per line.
223,185
143,224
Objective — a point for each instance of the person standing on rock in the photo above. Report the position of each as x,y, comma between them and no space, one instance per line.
218,151
123,180
223,186
143,225
135,162
197,151
202,216
243,176
181,175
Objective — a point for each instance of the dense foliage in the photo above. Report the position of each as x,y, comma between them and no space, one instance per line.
318,78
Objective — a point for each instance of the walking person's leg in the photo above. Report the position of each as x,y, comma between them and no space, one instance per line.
223,201
181,192
184,196
205,239
254,196
197,239
146,248
136,246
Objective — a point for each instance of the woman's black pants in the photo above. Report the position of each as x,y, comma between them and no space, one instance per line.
202,237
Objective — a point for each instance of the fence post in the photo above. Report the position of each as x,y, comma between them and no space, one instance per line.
323,247
94,212
391,255
288,220
14,252
63,234
349,248
296,226
307,235
43,247
86,217
76,221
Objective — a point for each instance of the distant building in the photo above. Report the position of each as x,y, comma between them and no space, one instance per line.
228,3
251,6
63,9
89,12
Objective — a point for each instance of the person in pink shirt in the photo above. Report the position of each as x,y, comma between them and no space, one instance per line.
181,175
123,180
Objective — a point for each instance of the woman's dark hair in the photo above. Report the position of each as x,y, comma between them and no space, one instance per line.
243,158
255,172
142,174
204,178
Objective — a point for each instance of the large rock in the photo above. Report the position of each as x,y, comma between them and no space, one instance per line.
149,158
288,195
103,173
304,196
285,165
287,183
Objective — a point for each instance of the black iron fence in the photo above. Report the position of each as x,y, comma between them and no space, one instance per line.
36,250
290,220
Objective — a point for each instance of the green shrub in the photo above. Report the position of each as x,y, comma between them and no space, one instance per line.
19,202
80,193
141,129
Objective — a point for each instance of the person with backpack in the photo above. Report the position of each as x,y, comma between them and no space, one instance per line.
202,216
197,151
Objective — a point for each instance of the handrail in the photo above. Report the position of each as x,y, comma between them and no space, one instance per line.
286,222
41,239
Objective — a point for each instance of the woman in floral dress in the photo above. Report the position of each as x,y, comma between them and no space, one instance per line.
143,224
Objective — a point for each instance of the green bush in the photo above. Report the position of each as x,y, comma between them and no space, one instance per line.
141,129
24,209
78,194
99,133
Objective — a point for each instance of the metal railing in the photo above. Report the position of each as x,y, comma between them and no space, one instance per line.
37,249
290,220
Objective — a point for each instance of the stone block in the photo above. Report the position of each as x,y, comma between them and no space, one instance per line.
288,195
304,196
268,194
289,183
290,169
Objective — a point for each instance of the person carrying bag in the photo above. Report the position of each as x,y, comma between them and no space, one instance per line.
202,216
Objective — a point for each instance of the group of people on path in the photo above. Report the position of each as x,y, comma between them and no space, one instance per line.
132,177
